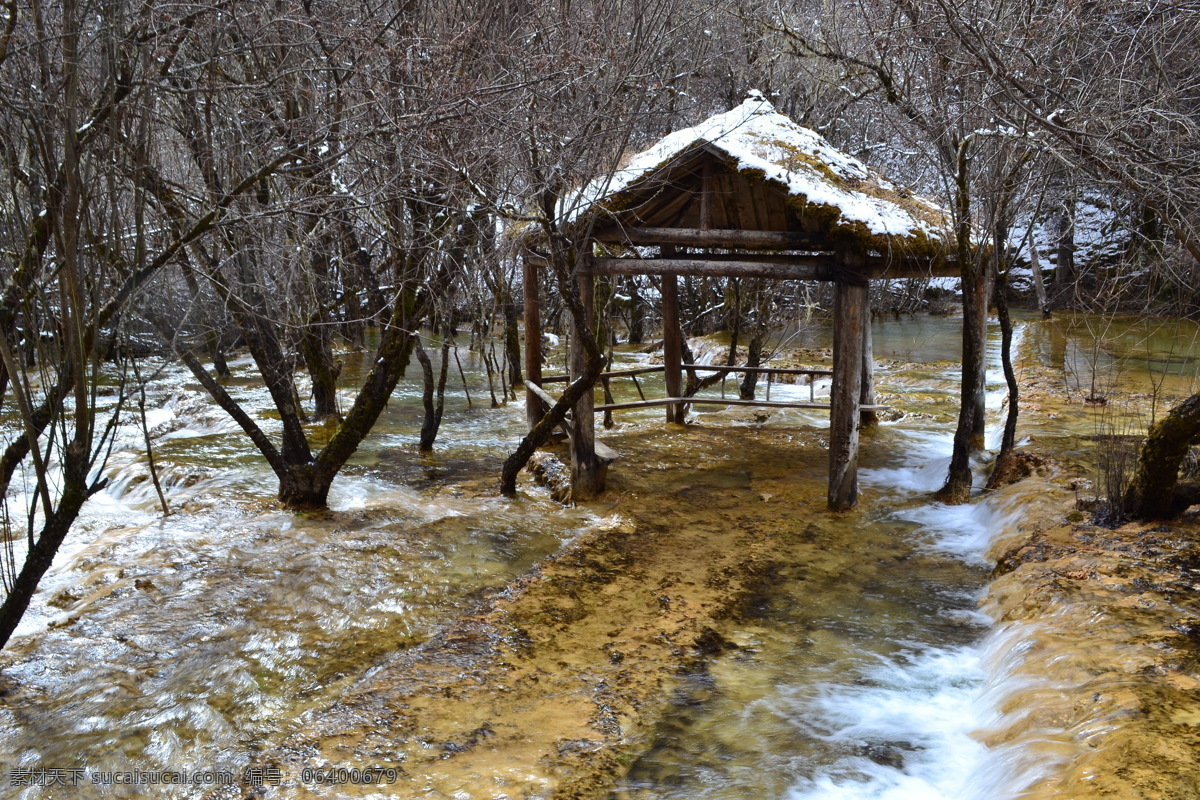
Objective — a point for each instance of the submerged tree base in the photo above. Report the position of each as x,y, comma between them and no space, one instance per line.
1155,491
955,492
1012,466
304,489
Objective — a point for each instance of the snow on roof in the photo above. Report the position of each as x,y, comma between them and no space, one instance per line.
758,139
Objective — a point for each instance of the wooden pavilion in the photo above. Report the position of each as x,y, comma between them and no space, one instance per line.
747,193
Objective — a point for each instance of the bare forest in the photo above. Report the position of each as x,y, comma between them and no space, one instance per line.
208,177
338,191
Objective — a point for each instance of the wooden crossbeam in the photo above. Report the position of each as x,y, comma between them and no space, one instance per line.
620,373
818,268
718,401
756,370
629,373
795,267
694,237
782,267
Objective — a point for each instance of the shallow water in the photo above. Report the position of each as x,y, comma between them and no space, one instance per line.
191,642
863,668
857,676
869,672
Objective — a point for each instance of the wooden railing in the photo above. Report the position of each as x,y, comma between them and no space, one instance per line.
633,374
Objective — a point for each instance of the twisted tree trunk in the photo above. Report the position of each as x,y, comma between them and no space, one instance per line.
433,396
1006,461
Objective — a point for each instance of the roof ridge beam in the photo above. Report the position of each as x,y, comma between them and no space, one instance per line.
713,237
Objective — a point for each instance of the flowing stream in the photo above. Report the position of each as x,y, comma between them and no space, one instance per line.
194,642
872,673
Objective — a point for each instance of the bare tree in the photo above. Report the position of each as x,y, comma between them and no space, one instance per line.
895,51
1113,86
365,184
78,245
586,86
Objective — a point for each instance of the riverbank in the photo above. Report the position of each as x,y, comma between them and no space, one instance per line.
1102,630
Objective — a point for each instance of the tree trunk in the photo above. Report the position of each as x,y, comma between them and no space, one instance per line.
762,322
637,312
75,492
220,365
305,487
1155,492
1004,466
512,343
429,424
314,341
356,275
1064,242
1035,269
968,434
433,395
322,369
975,356
753,359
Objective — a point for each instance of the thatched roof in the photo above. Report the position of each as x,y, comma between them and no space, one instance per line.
770,174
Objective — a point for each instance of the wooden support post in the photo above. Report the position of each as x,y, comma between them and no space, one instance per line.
870,417
849,321
588,473
608,401
672,346
535,407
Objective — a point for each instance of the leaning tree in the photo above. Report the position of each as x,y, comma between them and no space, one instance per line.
366,223
1156,491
